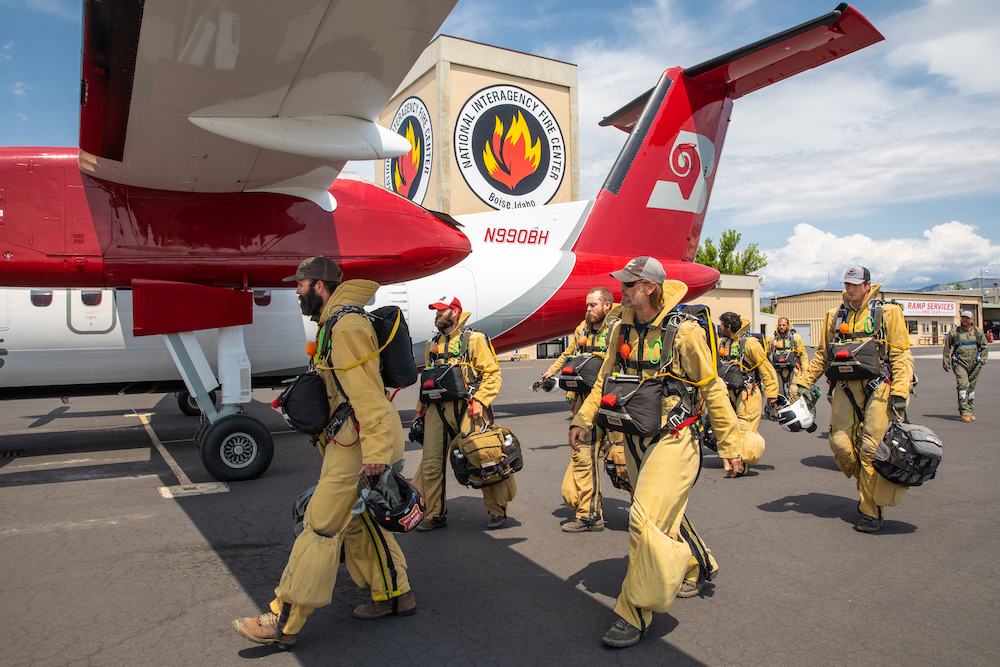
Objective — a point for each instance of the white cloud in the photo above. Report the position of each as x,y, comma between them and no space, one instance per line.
5,52
20,88
22,116
813,259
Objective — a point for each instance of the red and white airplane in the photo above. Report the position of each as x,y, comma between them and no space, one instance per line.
524,282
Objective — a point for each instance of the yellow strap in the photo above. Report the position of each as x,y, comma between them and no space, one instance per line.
392,334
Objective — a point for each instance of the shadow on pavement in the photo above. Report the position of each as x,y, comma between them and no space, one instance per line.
825,462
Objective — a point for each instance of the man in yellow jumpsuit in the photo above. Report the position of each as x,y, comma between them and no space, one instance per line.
862,408
581,486
748,353
662,467
787,353
449,420
365,443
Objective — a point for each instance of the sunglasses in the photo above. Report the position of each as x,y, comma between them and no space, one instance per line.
632,284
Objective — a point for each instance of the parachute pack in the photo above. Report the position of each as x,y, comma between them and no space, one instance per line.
731,369
856,355
785,357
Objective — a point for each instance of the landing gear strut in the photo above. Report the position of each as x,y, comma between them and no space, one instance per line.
234,446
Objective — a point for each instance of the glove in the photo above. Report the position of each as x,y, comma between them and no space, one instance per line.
898,404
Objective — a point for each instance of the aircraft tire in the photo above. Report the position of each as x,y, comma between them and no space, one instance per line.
236,448
187,404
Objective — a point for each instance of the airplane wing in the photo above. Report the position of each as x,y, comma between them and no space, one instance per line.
229,96
842,31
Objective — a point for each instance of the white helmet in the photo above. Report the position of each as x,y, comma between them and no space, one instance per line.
797,417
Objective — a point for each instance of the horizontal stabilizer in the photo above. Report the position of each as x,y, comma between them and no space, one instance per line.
752,67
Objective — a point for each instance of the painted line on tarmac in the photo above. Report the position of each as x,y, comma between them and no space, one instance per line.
185,487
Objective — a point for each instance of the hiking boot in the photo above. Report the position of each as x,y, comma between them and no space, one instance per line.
495,521
967,418
263,629
623,635
402,605
583,525
432,523
972,418
869,524
690,589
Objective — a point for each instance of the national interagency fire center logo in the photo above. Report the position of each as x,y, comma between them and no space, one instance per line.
409,174
509,148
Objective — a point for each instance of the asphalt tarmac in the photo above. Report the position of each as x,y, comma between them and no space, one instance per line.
99,569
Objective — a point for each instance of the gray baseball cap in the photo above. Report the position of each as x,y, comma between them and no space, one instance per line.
317,268
857,275
641,268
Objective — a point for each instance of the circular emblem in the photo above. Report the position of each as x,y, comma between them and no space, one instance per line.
409,174
509,148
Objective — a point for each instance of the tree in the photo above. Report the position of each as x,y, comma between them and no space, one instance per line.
726,260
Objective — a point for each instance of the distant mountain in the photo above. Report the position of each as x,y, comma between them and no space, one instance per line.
973,283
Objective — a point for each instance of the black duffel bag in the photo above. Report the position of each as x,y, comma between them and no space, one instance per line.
439,384
304,404
853,360
908,455
631,405
580,372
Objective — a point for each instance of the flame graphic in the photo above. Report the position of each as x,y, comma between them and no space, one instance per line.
406,165
505,161
686,164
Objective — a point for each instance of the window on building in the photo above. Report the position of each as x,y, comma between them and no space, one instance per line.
911,326
944,327
927,327
262,297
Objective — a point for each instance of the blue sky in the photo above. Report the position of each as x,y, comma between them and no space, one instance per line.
889,157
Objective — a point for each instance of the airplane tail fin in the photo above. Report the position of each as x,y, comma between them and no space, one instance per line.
654,200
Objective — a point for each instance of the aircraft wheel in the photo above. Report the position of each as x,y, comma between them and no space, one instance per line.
189,406
236,448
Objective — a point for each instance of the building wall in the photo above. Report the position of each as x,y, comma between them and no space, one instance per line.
811,308
445,78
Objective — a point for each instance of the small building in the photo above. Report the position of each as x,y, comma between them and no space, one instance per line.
929,315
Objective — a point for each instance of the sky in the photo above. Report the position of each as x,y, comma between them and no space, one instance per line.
888,157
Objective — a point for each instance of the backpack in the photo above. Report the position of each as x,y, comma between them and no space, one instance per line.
731,369
908,454
856,355
784,358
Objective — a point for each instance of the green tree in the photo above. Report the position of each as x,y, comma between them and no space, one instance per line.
726,259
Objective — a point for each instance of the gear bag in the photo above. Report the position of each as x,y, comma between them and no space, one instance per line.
487,456
631,405
908,455
305,405
856,356
580,372
396,365
440,384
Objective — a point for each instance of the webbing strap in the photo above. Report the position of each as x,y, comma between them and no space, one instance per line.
698,548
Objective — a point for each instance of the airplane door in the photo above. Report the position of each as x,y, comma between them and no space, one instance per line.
91,311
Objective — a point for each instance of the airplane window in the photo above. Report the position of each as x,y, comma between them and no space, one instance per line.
41,298
262,297
91,298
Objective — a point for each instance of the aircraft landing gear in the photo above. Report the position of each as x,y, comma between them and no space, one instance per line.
235,448
189,405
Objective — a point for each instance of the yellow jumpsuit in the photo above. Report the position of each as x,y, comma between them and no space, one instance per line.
581,485
664,469
430,476
747,403
372,556
788,377
854,441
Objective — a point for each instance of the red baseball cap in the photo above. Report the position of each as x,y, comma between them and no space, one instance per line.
446,302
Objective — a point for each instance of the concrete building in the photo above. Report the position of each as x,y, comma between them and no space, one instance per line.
491,129
929,315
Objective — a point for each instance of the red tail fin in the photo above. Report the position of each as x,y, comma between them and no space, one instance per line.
654,200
